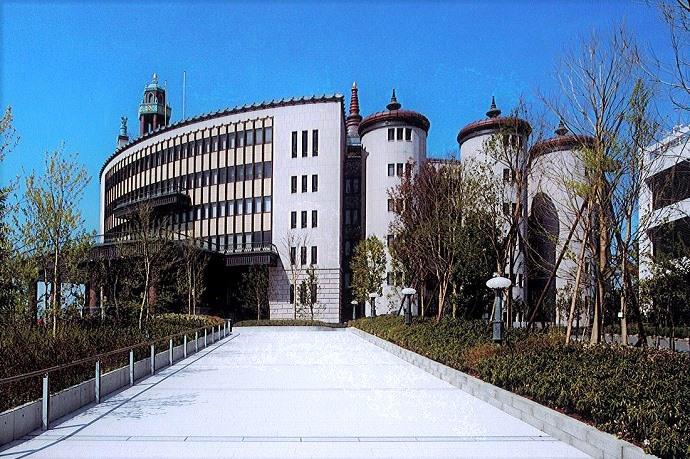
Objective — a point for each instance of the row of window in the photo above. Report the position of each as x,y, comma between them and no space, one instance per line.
397,169
305,143
394,205
196,147
302,295
352,216
351,185
305,183
303,221
397,134
303,255
225,209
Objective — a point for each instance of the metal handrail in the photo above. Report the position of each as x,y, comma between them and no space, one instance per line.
93,358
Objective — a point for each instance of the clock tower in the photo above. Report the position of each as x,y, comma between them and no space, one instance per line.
154,111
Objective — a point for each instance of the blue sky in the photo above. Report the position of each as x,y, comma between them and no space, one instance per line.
71,69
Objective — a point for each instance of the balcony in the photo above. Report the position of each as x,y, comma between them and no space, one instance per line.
251,254
161,202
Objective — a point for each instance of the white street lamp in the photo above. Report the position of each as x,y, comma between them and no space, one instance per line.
372,297
354,309
408,292
498,284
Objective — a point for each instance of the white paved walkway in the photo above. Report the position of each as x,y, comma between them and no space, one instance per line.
272,392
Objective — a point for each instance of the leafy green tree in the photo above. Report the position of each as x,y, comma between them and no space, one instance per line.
255,288
308,292
52,226
368,267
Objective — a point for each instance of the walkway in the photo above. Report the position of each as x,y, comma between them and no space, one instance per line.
285,392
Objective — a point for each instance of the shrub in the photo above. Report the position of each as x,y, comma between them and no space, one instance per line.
287,323
642,396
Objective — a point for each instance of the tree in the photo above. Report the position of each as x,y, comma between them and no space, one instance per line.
368,266
194,264
308,292
293,242
53,228
255,288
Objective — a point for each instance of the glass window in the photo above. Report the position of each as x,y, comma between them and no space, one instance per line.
355,185
231,140
293,257
258,170
239,171
305,139
391,205
315,142
314,183
250,137
257,205
268,134
294,144
221,209
231,208
348,186
391,134
240,139
400,133
391,170
267,204
506,175
249,171
214,177
304,184
293,219
268,169
408,134
292,286
314,219
259,136
223,142
238,207
248,206
304,219
231,174
400,169
303,255
214,143
313,257
293,184
222,175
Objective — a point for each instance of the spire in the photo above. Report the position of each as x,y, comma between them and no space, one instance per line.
122,138
393,104
561,130
353,119
493,110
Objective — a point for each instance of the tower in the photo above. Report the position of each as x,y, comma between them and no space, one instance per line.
123,137
154,110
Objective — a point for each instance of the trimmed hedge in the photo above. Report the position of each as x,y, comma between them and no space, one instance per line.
24,349
287,323
642,396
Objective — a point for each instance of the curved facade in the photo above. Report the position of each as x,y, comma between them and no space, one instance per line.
393,144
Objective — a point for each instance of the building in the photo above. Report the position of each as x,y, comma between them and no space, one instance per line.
293,184
664,206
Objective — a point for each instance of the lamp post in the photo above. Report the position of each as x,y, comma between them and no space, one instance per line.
498,284
373,296
354,309
408,292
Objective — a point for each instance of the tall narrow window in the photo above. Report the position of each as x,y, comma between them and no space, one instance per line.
305,140
304,184
313,255
293,219
391,170
293,256
268,204
268,135
506,175
400,133
293,184
303,255
408,134
314,219
304,219
250,137
314,183
258,136
294,144
292,292
315,142
391,134
391,205
400,169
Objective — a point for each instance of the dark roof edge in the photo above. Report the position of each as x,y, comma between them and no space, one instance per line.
406,116
336,97
561,143
477,127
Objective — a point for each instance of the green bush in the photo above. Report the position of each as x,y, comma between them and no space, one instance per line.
24,349
642,396
287,323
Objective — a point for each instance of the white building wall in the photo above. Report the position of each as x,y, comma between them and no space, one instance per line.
379,152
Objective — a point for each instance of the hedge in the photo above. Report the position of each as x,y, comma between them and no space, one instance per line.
24,349
287,323
642,396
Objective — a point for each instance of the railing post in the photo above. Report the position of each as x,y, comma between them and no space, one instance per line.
196,341
205,338
153,360
170,352
98,381
184,347
131,367
45,405
230,325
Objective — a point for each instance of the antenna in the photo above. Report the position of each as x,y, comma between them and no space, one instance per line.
184,88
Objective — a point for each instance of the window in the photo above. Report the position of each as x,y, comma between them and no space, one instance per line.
231,174
314,183
293,257
223,142
293,184
391,205
258,170
348,217
221,209
305,139
293,219
303,255
268,134
314,219
506,208
355,217
239,173
355,185
257,205
249,171
222,175
348,248
214,143
292,292
391,134
315,142
294,144
400,169
231,140
408,169
238,207
391,170
258,136
313,255
205,178
506,175
267,203
313,294
408,134
389,239
231,208
304,219
268,169
304,184
348,186
240,139
250,137
400,133
248,206
214,177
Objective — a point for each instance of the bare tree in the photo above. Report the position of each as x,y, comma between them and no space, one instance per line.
255,288
194,264
292,245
